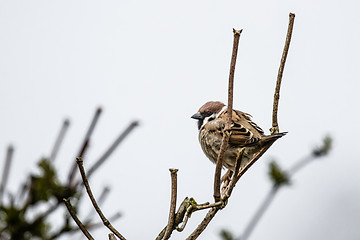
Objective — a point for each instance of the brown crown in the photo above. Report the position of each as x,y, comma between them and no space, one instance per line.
213,107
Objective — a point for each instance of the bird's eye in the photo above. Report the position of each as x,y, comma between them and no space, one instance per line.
206,114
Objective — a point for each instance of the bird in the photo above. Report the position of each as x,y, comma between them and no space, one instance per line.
244,134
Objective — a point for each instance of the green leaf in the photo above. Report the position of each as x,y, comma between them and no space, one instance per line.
46,185
278,176
325,148
226,235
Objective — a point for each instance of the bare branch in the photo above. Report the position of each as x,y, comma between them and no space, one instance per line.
76,219
59,139
226,135
101,199
234,179
88,226
113,218
185,220
106,222
251,162
113,146
205,206
275,125
265,204
6,171
274,190
170,226
178,217
201,227
84,145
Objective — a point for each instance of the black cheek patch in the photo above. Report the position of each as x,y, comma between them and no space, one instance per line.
200,122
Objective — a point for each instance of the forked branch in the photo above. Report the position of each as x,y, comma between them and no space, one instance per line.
84,146
227,189
170,226
226,136
106,222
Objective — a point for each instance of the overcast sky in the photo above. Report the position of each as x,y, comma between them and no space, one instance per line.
158,62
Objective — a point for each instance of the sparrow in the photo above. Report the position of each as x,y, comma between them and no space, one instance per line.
244,133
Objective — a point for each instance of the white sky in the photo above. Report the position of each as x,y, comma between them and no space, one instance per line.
158,62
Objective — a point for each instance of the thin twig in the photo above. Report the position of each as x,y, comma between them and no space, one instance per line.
6,171
274,190
106,222
201,227
84,145
265,204
76,219
170,226
201,207
234,179
254,159
46,213
101,199
113,218
227,190
226,135
275,126
186,218
194,208
88,226
59,139
113,146
179,217
300,164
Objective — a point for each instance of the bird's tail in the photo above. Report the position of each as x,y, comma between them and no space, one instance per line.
274,137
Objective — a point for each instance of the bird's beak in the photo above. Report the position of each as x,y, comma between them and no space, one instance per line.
197,116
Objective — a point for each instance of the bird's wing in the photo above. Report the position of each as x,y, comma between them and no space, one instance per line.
243,132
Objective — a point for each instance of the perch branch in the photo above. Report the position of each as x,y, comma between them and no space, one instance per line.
228,190
170,226
234,179
106,222
228,186
84,145
6,171
76,219
226,135
59,139
275,126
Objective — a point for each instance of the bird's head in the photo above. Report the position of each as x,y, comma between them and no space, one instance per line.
208,112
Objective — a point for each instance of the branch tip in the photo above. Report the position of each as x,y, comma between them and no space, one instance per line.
79,160
237,32
173,170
